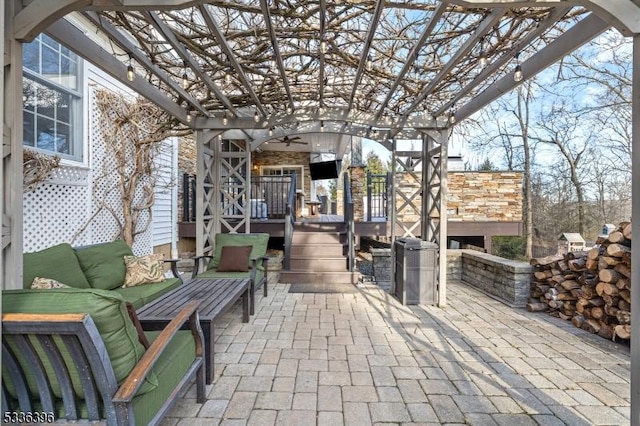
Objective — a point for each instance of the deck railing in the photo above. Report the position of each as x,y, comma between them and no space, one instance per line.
289,221
269,196
348,220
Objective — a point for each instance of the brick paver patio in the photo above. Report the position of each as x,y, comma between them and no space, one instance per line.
363,358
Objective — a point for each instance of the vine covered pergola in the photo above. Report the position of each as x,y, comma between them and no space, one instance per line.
256,70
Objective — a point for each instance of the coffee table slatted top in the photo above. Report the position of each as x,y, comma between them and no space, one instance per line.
215,295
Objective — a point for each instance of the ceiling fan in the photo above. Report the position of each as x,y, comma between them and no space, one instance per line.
289,141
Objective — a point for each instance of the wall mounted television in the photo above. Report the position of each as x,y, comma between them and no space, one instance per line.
325,169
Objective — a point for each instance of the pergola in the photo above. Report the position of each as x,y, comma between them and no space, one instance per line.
252,71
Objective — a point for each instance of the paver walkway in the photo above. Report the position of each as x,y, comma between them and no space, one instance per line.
359,359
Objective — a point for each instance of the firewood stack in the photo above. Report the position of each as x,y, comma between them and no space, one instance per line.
591,288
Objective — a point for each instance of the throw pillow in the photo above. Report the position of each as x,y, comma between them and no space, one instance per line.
40,283
143,269
142,338
234,259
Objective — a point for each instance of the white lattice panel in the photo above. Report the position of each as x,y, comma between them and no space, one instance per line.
55,212
104,226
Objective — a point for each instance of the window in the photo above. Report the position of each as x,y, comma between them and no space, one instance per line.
285,171
52,98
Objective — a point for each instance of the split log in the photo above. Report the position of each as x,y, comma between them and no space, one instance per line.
609,289
545,261
578,254
624,283
537,307
592,326
623,317
577,321
597,312
617,250
624,305
626,231
622,331
577,265
626,296
606,331
608,276
591,264
542,275
624,269
617,237
593,254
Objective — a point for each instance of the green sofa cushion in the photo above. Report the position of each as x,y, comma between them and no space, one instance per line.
103,264
58,262
109,313
258,241
171,367
142,294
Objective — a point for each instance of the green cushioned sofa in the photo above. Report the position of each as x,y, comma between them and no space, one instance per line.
257,268
99,266
75,354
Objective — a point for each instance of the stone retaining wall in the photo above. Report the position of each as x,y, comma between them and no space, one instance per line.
504,279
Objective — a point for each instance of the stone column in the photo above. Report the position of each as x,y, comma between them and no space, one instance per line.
358,188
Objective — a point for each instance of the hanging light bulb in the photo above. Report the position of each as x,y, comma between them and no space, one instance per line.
185,81
483,61
227,77
270,131
189,118
130,74
225,119
517,75
322,126
369,63
256,117
452,117
289,110
220,137
323,46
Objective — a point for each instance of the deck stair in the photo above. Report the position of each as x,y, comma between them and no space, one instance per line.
318,255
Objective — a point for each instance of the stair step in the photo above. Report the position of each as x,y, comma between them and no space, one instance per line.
330,250
319,264
319,277
316,238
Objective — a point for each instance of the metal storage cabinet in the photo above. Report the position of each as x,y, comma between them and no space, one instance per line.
415,271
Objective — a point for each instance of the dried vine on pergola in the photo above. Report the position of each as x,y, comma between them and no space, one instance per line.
327,80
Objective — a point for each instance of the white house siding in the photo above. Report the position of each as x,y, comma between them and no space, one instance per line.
166,196
65,208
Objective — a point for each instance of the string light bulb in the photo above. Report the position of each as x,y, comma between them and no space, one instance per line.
369,63
225,119
270,131
220,137
256,117
323,46
130,73
189,118
185,81
289,110
322,126
517,74
483,61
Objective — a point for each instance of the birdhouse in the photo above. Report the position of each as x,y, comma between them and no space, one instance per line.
570,241
607,229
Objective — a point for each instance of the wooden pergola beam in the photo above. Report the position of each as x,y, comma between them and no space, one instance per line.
224,46
574,37
364,57
187,57
501,61
411,57
73,38
266,13
126,45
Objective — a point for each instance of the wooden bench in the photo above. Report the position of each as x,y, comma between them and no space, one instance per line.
215,296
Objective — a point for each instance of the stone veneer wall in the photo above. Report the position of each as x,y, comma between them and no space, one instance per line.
186,164
358,178
473,196
284,158
506,280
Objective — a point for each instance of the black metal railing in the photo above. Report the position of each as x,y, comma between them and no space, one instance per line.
377,195
188,197
289,221
269,196
348,220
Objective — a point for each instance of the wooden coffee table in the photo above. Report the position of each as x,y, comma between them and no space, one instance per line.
216,296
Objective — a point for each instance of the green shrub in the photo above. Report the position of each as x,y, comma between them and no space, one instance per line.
508,246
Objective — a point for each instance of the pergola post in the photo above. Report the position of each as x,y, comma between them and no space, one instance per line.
207,223
635,254
11,167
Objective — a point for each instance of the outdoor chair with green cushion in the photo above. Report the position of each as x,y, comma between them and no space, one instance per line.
78,353
253,266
